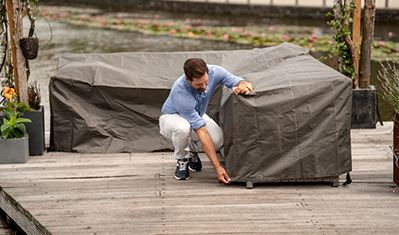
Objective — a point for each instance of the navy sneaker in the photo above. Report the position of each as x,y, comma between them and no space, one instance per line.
182,172
194,163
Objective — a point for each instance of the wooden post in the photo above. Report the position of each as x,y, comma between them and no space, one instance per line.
18,60
10,14
357,15
367,42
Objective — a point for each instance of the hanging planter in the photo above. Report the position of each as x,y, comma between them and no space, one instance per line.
30,47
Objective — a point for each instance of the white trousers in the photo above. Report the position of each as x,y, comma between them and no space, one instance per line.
178,129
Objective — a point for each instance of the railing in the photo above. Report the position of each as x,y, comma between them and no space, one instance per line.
272,2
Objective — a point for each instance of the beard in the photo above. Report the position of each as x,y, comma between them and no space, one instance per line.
201,90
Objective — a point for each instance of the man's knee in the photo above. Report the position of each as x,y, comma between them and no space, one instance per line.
182,129
218,143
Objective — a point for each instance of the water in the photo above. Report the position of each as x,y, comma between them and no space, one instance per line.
71,39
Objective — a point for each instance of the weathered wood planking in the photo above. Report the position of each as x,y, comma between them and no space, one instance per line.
70,193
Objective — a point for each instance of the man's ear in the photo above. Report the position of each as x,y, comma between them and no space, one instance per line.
188,80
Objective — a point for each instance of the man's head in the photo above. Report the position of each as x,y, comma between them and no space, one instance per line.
196,72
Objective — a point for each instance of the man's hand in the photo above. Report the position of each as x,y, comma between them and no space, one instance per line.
243,87
222,175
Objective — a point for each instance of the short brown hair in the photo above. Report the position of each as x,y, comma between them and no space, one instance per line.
195,68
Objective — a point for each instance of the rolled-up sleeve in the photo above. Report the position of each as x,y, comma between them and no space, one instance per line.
227,79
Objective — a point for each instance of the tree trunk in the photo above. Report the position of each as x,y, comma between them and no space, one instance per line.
16,32
3,51
32,21
337,13
367,41
351,46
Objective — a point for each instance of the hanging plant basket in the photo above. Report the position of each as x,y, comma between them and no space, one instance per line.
30,47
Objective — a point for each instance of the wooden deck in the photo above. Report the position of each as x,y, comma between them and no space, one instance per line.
70,193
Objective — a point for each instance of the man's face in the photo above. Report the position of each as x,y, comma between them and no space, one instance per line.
199,84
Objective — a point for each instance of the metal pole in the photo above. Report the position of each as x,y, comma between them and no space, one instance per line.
296,2
386,3
324,3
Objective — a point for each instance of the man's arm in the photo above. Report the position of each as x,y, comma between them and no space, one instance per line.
207,145
243,87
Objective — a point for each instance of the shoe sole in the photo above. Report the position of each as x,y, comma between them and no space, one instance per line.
182,178
191,169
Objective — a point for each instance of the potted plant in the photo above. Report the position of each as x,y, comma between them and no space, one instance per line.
33,111
17,72
35,129
14,142
389,78
346,24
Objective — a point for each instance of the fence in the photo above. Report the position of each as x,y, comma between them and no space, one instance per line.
317,3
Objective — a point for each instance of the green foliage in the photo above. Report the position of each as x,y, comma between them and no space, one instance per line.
13,126
23,107
340,47
18,106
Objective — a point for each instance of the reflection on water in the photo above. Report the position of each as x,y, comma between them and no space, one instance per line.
67,39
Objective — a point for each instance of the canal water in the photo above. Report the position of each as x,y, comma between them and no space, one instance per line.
71,39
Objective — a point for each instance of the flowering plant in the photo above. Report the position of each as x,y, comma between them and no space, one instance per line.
13,125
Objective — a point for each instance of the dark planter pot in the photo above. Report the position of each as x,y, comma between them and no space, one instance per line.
364,108
35,131
14,150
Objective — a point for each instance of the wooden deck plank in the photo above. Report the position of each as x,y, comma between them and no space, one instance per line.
135,193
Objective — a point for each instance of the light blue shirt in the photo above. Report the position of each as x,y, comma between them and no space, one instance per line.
191,104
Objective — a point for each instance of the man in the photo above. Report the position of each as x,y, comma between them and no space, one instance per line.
184,121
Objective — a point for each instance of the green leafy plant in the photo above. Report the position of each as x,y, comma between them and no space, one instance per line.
13,125
340,24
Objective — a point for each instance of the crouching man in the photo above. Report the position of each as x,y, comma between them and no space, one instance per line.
184,121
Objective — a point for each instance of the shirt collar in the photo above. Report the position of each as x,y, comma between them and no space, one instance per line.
192,90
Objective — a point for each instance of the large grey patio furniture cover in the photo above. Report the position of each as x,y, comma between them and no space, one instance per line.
294,125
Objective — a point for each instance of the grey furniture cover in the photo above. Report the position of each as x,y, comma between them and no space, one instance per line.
295,124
